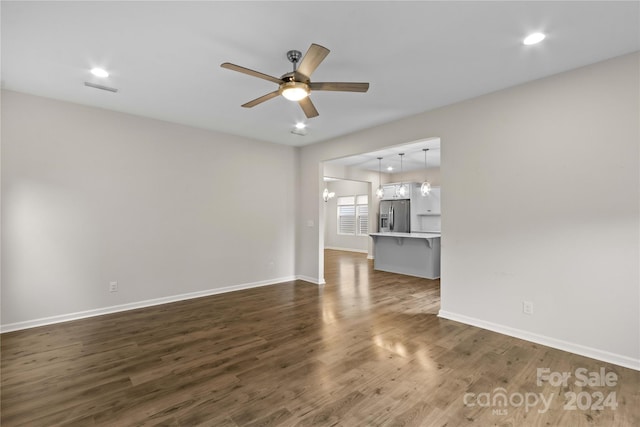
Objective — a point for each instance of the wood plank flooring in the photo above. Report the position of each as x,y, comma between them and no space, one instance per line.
366,349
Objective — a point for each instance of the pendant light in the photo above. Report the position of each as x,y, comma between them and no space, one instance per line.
380,190
401,190
326,195
425,188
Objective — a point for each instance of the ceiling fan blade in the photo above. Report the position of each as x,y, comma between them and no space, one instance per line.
308,108
342,87
234,67
314,56
262,99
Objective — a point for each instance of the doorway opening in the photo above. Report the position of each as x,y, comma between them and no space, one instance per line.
420,161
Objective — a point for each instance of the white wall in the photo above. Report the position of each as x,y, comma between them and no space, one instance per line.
333,240
350,173
91,196
433,174
525,216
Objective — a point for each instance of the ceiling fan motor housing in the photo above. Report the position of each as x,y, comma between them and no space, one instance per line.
294,56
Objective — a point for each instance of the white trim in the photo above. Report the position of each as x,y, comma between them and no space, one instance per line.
582,350
370,257
335,248
27,324
311,280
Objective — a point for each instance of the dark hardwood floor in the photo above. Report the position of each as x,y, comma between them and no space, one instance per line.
366,349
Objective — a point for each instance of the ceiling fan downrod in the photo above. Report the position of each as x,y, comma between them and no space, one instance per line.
294,56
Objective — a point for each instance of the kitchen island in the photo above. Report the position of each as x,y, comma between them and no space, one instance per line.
414,254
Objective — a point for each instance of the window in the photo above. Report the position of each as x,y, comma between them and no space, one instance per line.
362,215
353,215
346,215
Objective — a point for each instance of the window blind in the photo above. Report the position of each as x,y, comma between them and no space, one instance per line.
353,215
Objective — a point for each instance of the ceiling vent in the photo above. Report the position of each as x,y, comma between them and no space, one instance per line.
95,86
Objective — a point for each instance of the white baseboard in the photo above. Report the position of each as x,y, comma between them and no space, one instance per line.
335,248
593,353
311,280
140,304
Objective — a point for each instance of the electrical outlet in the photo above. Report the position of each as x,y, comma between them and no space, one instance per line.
527,307
113,286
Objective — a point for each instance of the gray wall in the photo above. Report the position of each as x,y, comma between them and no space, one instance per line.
332,239
91,196
525,217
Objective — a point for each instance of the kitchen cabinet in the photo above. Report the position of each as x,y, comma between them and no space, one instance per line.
389,191
425,210
426,205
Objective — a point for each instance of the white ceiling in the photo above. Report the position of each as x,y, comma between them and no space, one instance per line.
164,57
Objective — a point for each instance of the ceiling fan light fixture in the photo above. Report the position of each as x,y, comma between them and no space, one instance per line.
294,91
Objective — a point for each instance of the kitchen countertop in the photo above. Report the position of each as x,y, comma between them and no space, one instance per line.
408,235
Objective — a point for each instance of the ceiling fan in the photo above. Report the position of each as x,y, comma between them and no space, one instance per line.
297,85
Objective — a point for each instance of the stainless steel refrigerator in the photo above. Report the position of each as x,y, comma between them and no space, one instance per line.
395,216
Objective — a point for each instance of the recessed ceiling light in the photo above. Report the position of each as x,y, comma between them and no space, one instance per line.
533,38
300,125
99,72
389,168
